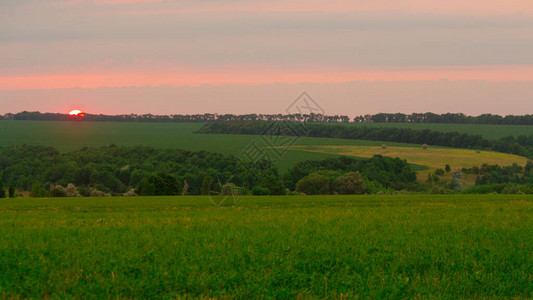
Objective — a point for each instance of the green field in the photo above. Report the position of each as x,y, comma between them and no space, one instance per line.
432,158
67,136
488,131
412,246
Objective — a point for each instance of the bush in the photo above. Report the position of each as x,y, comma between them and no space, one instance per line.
439,172
436,190
11,192
38,192
96,193
208,184
72,191
313,184
230,189
350,184
69,191
2,190
260,191
58,191
511,189
130,193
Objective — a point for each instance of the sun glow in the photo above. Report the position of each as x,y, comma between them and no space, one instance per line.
76,112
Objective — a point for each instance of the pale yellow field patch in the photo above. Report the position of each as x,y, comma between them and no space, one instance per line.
432,158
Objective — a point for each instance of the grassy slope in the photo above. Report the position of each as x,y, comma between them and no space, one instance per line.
487,131
458,246
67,136
432,158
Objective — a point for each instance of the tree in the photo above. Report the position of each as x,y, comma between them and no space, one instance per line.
2,189
313,184
439,172
37,191
350,184
207,185
260,191
448,168
72,191
185,190
11,191
58,191
273,185
159,184
230,189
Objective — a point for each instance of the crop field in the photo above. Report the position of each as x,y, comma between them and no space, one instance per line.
432,158
68,136
402,246
488,131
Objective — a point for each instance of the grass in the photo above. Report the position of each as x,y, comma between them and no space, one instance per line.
68,136
488,131
432,158
403,246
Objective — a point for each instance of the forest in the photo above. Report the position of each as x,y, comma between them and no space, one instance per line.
146,171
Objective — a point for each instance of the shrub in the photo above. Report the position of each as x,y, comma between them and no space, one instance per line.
436,190
260,191
313,184
72,191
207,185
130,193
230,189
350,184
58,191
2,190
439,172
11,192
96,193
37,191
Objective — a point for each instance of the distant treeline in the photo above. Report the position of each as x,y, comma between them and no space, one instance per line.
449,118
118,170
522,145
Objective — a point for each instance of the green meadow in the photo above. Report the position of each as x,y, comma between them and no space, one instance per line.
68,136
488,131
402,246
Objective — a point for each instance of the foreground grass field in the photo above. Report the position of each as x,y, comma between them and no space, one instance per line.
410,246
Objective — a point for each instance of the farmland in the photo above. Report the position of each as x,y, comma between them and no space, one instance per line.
402,246
432,158
67,136
488,131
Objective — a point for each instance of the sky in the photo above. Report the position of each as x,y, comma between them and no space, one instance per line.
251,56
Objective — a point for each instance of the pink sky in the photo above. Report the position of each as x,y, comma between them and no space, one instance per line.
61,45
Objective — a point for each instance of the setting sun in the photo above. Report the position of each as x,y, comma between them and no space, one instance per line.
76,112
